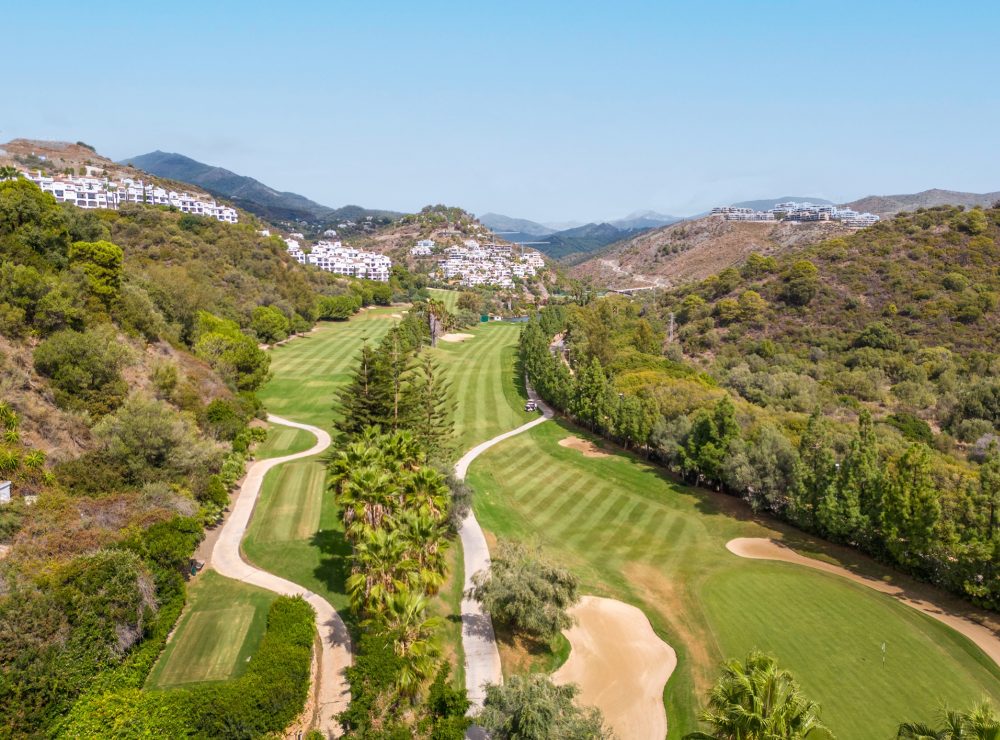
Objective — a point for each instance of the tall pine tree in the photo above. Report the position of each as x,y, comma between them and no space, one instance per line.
430,407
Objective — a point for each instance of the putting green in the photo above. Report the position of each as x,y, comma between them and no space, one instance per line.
632,534
218,632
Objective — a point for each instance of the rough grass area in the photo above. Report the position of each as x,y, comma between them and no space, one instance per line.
216,635
632,534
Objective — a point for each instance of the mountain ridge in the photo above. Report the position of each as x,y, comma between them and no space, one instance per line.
247,192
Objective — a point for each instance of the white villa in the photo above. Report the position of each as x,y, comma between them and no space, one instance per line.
343,260
793,211
93,192
423,248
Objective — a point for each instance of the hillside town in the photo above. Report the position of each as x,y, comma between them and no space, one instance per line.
796,211
337,258
473,264
91,191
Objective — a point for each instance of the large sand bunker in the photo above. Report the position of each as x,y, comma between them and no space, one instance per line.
584,446
456,337
620,665
983,629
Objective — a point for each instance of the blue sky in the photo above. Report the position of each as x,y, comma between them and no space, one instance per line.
544,110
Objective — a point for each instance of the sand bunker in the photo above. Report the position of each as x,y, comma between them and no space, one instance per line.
620,665
397,316
983,629
584,446
456,337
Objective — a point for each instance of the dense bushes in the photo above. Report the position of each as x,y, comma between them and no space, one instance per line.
265,699
85,368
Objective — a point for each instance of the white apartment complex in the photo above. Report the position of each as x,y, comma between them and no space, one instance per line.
423,248
793,211
490,264
93,192
342,260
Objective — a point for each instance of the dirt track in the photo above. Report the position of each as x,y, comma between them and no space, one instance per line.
620,665
983,629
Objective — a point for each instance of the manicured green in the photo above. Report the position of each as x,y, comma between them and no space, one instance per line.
488,394
216,635
308,370
631,533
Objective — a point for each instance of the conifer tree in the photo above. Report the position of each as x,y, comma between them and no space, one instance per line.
819,471
430,407
362,402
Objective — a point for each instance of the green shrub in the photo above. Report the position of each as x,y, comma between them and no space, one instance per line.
84,368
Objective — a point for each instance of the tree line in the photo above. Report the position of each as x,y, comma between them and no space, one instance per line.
898,504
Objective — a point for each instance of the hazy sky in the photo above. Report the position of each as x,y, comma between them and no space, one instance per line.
543,110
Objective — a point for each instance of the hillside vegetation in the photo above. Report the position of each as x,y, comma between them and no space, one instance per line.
129,362
851,387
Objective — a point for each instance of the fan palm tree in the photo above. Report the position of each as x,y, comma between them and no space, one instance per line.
368,499
755,700
380,570
413,632
9,173
426,541
427,492
978,724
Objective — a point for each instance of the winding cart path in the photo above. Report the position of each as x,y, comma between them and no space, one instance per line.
332,691
482,659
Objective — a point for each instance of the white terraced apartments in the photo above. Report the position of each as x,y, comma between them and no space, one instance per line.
490,264
792,211
336,258
94,192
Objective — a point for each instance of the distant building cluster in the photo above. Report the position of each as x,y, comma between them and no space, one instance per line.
423,248
342,260
792,211
94,192
488,264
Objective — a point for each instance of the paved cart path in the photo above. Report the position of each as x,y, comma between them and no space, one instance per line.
482,659
332,690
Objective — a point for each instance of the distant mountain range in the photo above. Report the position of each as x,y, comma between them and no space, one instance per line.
578,241
248,193
887,205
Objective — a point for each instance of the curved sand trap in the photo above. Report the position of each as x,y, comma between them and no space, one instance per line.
584,446
979,627
620,665
455,337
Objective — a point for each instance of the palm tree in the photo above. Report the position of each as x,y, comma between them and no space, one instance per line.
426,541
368,498
380,570
405,620
978,724
9,173
427,492
755,700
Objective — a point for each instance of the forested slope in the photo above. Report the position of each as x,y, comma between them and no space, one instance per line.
129,361
851,387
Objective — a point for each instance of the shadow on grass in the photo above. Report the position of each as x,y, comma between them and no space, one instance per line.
335,566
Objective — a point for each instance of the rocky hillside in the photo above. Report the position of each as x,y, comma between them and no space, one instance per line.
888,205
693,250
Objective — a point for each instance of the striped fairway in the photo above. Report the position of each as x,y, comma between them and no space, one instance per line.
308,370
292,506
632,534
488,395
448,297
